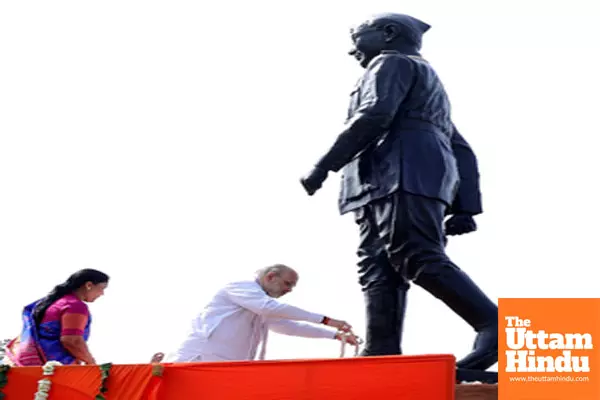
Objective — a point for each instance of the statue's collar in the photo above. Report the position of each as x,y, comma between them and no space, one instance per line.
413,56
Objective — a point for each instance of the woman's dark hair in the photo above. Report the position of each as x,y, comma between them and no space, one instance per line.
75,281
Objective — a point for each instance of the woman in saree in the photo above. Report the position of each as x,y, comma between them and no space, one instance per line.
57,327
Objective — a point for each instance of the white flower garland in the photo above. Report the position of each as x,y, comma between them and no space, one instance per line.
45,384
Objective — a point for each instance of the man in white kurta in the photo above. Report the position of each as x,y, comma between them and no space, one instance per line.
235,323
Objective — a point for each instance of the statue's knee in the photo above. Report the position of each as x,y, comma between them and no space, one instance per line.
431,261
379,280
375,270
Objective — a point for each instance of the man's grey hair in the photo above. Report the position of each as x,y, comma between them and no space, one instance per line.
277,268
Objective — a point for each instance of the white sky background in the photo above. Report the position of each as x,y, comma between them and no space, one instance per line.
162,143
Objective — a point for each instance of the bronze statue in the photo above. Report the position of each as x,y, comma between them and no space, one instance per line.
401,180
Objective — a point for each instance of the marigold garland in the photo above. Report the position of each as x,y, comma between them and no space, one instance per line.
104,370
3,378
157,370
44,385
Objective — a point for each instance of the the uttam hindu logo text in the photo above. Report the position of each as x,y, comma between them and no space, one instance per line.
525,345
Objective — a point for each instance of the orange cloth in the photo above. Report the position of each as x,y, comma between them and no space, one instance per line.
429,377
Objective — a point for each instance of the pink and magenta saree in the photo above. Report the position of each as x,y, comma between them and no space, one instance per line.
38,344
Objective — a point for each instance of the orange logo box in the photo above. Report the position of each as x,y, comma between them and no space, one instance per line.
549,349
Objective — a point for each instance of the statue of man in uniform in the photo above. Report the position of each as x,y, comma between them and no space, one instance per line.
401,180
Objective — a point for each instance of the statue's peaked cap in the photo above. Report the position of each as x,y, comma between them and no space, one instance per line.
414,29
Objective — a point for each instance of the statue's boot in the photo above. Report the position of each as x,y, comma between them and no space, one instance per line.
455,288
385,308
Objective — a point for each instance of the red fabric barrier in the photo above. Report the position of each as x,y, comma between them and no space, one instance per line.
411,377
79,383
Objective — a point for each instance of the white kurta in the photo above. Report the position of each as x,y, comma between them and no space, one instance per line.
237,320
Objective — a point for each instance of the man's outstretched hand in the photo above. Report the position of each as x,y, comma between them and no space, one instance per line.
460,224
349,338
313,180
